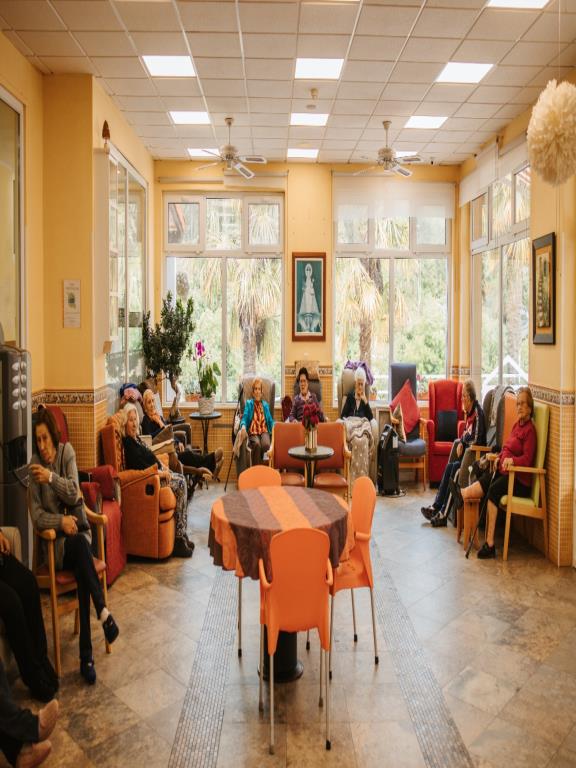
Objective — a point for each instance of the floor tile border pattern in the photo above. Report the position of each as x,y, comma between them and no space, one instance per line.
198,734
436,731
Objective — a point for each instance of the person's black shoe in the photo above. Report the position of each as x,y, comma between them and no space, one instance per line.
440,521
181,548
43,690
88,670
110,628
486,552
456,494
429,512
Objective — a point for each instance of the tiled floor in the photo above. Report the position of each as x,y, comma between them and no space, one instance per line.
477,664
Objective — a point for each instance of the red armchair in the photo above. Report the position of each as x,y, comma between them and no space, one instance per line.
444,396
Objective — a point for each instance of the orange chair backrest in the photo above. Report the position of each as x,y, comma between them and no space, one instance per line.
332,434
298,598
510,415
363,503
287,436
112,448
257,477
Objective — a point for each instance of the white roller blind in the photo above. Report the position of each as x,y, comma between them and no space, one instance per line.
388,198
489,167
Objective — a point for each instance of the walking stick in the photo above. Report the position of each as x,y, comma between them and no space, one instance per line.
233,435
482,514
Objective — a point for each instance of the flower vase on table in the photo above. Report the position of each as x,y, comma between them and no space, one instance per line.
310,420
207,381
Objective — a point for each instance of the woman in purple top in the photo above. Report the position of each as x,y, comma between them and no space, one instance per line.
305,396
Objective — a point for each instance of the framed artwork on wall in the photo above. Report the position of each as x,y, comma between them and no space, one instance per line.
544,289
308,297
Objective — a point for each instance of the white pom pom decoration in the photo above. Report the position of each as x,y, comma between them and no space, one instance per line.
552,133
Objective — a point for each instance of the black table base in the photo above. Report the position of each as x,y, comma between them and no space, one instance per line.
287,666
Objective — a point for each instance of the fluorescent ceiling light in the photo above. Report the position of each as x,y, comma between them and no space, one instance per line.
169,66
517,3
460,72
308,118
405,153
190,118
425,121
203,152
318,69
309,154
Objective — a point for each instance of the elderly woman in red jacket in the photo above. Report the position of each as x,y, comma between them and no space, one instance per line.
518,450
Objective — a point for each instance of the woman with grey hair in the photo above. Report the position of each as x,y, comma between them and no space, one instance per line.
474,434
139,456
356,402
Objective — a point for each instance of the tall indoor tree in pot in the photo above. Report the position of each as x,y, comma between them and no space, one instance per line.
167,343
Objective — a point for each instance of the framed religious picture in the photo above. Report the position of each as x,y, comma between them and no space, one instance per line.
308,297
544,289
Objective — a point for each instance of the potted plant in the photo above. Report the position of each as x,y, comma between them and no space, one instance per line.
207,380
310,420
167,343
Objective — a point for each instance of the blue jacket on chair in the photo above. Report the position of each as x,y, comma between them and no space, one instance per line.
248,415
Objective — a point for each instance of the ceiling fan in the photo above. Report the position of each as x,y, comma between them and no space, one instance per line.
388,161
229,155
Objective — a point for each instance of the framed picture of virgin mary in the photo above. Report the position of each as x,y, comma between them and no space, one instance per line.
308,297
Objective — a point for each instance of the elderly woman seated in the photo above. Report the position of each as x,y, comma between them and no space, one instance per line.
518,450
257,422
303,397
357,416
153,423
139,456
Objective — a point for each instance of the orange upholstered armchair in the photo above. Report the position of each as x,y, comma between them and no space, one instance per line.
445,411
284,436
333,474
148,525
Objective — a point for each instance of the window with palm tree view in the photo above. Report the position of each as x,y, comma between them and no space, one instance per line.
391,300
225,252
502,281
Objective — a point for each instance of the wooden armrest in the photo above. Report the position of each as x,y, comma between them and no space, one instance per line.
492,456
262,573
528,470
48,534
95,518
479,448
362,536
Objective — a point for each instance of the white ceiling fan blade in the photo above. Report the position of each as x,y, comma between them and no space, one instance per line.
212,154
243,171
401,171
365,170
259,159
207,165
409,159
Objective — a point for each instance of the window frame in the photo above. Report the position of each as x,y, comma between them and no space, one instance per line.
197,247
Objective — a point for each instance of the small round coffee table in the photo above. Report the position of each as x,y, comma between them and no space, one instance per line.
310,458
205,419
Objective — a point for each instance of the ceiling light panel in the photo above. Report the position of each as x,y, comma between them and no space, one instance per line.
425,121
169,66
190,118
318,69
309,118
529,4
202,153
301,153
463,72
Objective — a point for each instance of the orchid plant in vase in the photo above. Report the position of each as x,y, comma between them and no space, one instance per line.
207,381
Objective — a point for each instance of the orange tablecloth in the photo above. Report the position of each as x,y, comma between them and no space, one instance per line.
242,524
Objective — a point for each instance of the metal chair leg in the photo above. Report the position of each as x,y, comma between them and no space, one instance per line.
374,627
239,618
271,657
331,637
354,615
320,699
328,741
261,670
308,640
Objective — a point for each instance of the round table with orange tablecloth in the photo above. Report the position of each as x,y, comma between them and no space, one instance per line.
243,523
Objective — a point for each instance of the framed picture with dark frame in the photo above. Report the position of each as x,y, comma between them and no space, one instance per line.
308,296
544,289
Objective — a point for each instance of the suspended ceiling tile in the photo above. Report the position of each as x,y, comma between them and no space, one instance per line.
414,134
369,149
551,73
470,4
322,46
567,57
18,43
323,106
482,51
347,121
105,43
511,75
266,146
326,89
225,88
221,45
392,109
156,131
87,14
400,92
429,49
51,43
240,119
177,86
510,111
494,94
237,132
141,103
375,48
148,118
201,134
440,147
270,105
463,123
270,69
306,133
455,137
545,29
229,69
495,124
502,24
183,104
69,64
469,147
130,86
3,23
160,43
437,108
148,17
527,95
281,89
331,19
531,53
269,46
333,156
124,67
269,17
359,90
353,107
386,20
29,15
229,104
208,17
450,92
279,132
379,134
267,119
348,134
442,22
406,72
367,71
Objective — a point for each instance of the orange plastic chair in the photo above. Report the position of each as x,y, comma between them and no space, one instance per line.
356,572
254,477
257,477
296,600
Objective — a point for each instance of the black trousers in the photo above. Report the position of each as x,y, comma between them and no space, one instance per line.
78,559
17,726
499,487
21,613
191,459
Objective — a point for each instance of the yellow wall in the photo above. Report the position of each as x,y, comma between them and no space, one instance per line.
24,82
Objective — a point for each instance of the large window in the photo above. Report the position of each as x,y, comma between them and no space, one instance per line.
225,252
392,304
501,262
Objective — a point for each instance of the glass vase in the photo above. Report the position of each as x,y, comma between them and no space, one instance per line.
311,439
